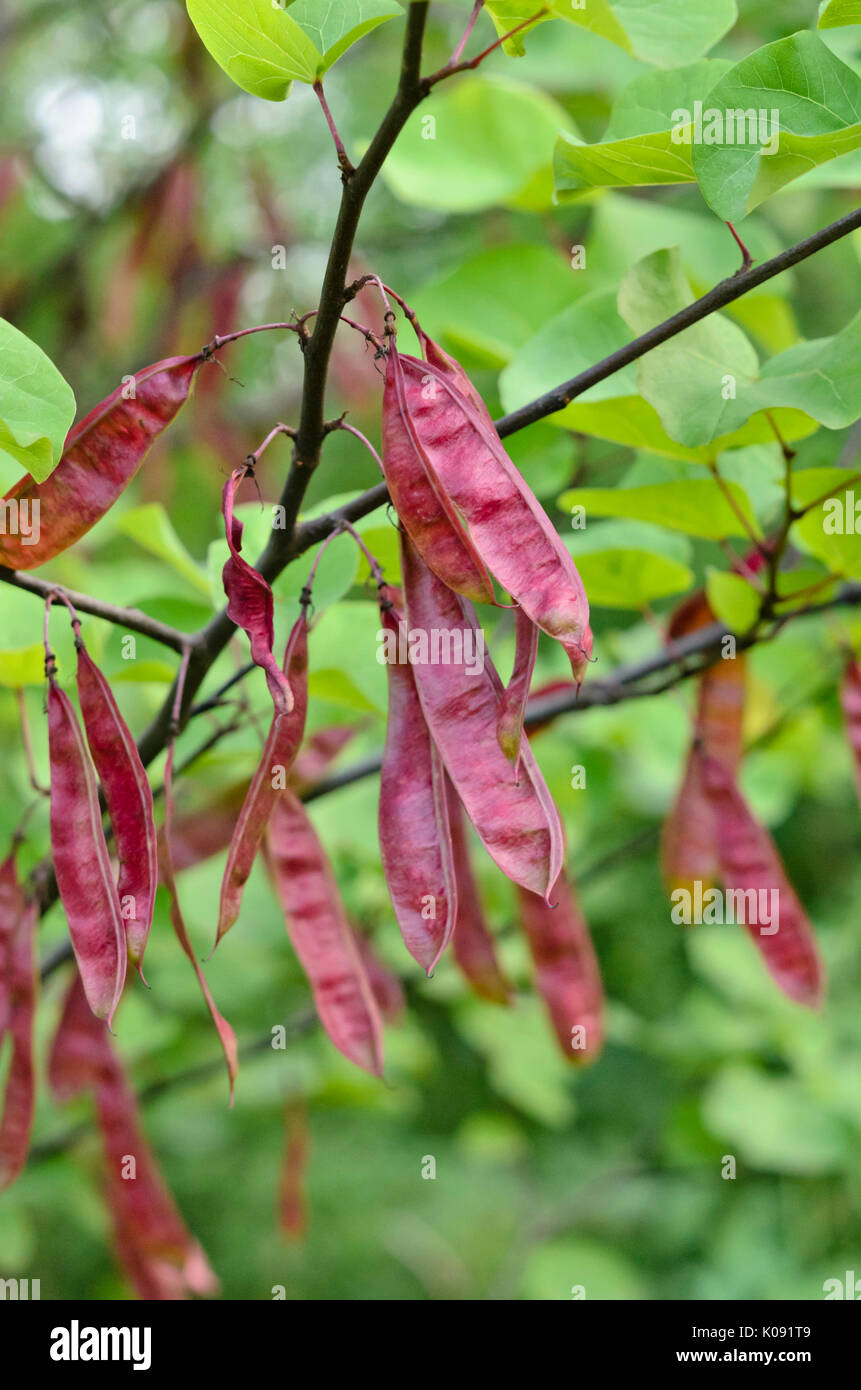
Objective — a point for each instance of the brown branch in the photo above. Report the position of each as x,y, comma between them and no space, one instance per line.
130,618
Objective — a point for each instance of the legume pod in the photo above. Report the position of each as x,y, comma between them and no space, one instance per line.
472,944
850,698
750,862
285,736
566,971
466,463
81,862
250,603
509,728
415,839
321,935
102,454
19,986
514,815
129,801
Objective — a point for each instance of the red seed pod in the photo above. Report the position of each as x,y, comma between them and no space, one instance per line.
750,864
285,736
509,729
129,801
19,991
566,971
321,935
688,852
415,839
81,862
161,1258
465,462
460,695
249,600
850,698
473,947
102,454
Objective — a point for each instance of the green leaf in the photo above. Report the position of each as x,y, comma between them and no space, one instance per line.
774,1122
734,602
835,13
580,336
37,405
260,47
153,529
476,144
335,27
626,564
697,507
144,672
830,531
706,382
665,33
644,142
808,108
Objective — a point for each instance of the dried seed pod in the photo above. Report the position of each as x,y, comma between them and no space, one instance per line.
460,697
442,418
285,736
472,945
321,935
415,839
249,600
129,801
18,991
751,864
102,454
81,862
566,971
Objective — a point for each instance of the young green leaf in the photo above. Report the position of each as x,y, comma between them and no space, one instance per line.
335,28
807,106
835,13
696,506
37,406
260,47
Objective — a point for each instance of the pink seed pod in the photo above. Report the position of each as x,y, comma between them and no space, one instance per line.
81,862
472,945
249,600
514,815
129,801
750,862
850,698
321,935
415,838
509,728
18,992
566,971
285,736
447,424
102,454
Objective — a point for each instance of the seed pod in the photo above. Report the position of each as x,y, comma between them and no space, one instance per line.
750,863
285,736
385,985
161,1258
415,839
102,454
19,989
509,728
128,797
472,945
850,698
249,600
515,817
292,1200
688,852
321,935
566,971
81,861
425,510
465,461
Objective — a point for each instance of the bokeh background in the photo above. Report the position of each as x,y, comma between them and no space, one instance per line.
117,249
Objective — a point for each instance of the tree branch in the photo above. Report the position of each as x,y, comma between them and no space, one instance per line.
130,618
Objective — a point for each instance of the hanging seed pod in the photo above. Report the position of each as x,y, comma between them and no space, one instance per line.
566,971
415,838
472,945
18,995
850,698
321,935
509,728
282,743
434,412
249,600
102,454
